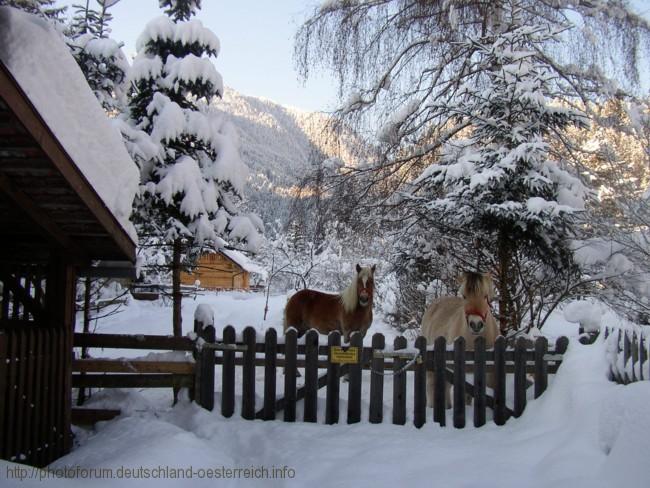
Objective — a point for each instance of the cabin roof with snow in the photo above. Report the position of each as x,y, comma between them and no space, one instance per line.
244,262
66,180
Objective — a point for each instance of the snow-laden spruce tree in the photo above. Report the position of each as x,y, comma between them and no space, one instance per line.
191,186
99,56
503,182
43,8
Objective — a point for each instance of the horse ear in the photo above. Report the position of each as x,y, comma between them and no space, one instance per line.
358,268
373,268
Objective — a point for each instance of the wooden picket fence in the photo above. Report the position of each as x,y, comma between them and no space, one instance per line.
628,354
323,366
526,361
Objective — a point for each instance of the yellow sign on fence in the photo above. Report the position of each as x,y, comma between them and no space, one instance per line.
339,355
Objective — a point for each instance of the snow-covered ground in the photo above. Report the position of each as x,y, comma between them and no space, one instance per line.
584,431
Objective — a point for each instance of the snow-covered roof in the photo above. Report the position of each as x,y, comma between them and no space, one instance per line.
40,62
244,262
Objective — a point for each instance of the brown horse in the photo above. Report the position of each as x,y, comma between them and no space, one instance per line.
347,312
468,317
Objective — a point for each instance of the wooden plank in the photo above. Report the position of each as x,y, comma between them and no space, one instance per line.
248,375
21,405
479,381
354,381
228,374
311,377
139,341
205,370
290,373
459,383
131,366
47,398
92,380
420,384
38,442
376,409
29,449
520,377
90,416
333,384
399,384
4,385
541,374
270,356
499,381
439,382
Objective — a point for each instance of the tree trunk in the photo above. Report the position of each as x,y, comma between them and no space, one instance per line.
506,276
177,319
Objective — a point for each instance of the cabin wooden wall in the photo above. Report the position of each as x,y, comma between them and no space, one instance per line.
36,325
215,271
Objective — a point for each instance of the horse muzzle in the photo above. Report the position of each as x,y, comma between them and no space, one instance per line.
476,326
364,299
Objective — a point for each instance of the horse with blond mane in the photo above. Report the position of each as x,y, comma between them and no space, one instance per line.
347,312
468,316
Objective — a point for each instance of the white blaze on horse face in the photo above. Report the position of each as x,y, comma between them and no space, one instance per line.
364,295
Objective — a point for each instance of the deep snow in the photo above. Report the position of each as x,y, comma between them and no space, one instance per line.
584,431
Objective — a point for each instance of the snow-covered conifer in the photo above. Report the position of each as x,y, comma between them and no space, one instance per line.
190,191
502,181
100,58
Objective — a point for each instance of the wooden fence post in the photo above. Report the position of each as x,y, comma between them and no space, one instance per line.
228,374
500,381
420,384
354,378
332,392
376,412
541,374
204,357
248,375
290,372
520,376
479,381
270,362
311,377
399,384
440,381
459,383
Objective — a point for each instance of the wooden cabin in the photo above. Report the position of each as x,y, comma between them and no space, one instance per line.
55,220
225,270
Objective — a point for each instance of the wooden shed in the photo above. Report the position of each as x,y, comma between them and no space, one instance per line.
54,223
225,270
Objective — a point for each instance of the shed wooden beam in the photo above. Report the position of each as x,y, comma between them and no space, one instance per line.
40,218
18,103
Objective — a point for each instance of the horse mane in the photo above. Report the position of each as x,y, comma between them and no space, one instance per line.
349,296
476,284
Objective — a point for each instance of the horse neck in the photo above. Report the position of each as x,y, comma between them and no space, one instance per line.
349,298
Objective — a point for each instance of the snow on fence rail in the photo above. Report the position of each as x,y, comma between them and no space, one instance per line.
628,351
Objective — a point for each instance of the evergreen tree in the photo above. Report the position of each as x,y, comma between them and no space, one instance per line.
43,8
190,189
100,58
502,182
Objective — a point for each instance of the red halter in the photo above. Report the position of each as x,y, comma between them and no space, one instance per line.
474,311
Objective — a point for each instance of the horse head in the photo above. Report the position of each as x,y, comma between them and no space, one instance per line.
477,290
365,285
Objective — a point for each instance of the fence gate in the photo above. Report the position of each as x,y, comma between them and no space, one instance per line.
481,372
